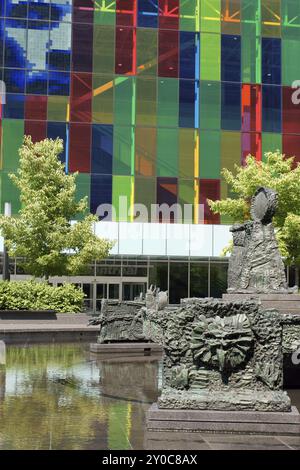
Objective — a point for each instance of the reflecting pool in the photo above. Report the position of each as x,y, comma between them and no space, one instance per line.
59,396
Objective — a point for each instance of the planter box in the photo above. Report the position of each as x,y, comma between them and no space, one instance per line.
27,315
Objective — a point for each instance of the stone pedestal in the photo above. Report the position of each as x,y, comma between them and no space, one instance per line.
127,349
252,422
284,303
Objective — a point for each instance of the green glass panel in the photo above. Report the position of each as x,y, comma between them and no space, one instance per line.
230,155
290,14
123,150
9,193
146,52
122,186
104,49
83,184
210,105
231,17
167,102
12,135
210,16
251,41
145,101
186,196
58,108
271,142
124,106
290,66
145,193
210,56
167,152
210,154
103,99
189,15
105,12
270,18
186,153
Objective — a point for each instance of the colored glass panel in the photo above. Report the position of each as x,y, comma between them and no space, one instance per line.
168,53
104,49
145,193
125,52
122,188
271,108
251,41
231,106
187,147
230,58
168,11
81,97
167,189
82,48
270,18
290,48
145,151
270,143
101,191
251,108
102,99
123,150
209,189
251,145
231,16
145,101
291,146
146,52
210,154
36,129
58,108
189,55
210,16
12,137
102,149
189,15
271,61
55,130
187,103
105,12
210,57
80,148
124,100
148,13
167,102
290,112
167,152
210,105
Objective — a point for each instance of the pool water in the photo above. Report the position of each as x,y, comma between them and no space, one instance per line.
59,396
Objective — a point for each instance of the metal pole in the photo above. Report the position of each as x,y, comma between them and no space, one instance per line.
6,273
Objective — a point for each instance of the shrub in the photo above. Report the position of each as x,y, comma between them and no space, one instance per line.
32,295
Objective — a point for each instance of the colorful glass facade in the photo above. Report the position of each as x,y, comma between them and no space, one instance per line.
151,97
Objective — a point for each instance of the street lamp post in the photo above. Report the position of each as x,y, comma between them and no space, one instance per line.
6,273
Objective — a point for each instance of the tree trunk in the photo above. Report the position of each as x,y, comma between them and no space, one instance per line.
297,276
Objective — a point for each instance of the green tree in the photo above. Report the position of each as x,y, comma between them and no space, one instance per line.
44,233
276,172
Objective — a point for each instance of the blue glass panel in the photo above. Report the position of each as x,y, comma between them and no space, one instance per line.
39,10
102,149
1,40
230,58
101,191
14,80
271,108
15,43
38,33
271,60
2,8
36,82
61,10
16,9
231,106
14,107
189,54
187,103
59,83
59,56
58,129
148,13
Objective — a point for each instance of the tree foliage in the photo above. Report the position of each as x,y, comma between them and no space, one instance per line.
44,233
276,172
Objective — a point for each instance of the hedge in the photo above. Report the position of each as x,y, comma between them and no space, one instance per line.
32,295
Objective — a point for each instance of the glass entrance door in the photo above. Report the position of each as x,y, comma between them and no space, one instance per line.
133,290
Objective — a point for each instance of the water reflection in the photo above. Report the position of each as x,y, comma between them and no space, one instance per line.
58,397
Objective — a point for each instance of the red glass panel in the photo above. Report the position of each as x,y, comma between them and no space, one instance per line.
81,97
169,14
290,112
166,193
83,11
82,48
126,12
37,130
125,57
291,146
209,189
251,144
80,148
36,107
251,108
168,54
